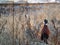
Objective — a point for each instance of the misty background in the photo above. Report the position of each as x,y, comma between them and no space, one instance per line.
30,1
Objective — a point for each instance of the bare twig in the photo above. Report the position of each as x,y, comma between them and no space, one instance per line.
56,43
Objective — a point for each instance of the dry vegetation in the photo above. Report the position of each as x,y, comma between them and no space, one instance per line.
23,26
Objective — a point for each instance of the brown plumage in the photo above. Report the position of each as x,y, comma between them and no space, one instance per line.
45,30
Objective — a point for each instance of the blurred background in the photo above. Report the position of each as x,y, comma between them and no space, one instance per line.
21,23
30,1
